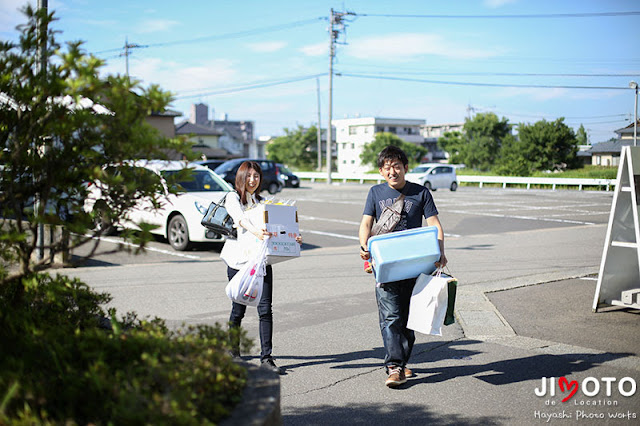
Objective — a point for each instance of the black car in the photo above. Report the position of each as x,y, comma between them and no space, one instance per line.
287,177
270,180
211,164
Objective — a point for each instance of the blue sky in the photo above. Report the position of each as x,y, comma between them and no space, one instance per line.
429,68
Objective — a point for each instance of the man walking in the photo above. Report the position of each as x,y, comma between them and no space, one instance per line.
393,297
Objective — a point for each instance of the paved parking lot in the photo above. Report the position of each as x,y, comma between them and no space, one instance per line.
501,245
330,215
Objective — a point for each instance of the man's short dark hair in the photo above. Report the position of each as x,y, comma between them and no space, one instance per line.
391,153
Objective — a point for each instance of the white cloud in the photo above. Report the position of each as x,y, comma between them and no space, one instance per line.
267,46
406,46
156,25
175,77
10,15
315,49
494,4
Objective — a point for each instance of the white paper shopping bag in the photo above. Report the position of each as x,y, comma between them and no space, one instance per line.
428,305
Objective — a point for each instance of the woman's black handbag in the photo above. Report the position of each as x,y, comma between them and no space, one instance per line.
218,219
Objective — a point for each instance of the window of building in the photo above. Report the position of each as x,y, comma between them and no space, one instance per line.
392,129
352,130
379,129
366,130
344,146
353,146
353,161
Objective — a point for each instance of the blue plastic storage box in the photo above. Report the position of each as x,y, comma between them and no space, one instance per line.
404,254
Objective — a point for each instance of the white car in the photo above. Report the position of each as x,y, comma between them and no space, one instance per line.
434,176
179,216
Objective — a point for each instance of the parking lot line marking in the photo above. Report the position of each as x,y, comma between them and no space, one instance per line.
348,222
170,253
330,234
575,222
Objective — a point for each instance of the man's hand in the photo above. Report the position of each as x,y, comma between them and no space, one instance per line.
364,254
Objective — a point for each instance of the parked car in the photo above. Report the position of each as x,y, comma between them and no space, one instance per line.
270,172
287,177
212,164
179,216
434,176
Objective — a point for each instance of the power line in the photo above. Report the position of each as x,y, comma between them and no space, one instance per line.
507,74
524,16
227,36
250,86
464,83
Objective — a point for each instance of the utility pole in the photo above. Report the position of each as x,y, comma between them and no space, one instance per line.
127,47
336,25
43,7
319,134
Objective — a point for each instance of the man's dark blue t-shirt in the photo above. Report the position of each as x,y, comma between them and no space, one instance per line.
418,202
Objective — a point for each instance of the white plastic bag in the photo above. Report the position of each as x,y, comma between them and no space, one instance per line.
428,305
246,286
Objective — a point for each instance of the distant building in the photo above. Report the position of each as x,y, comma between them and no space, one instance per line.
608,153
163,121
431,134
352,134
228,139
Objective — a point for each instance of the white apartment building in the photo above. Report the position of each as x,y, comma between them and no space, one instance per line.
353,133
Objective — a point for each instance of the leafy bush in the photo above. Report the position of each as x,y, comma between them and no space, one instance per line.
63,361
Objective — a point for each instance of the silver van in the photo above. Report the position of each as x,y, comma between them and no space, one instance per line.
434,176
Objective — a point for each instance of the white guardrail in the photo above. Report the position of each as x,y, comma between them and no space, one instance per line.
505,181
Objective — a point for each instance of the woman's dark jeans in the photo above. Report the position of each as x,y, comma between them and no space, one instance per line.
393,311
264,312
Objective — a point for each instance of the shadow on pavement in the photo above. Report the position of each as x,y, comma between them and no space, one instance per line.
371,414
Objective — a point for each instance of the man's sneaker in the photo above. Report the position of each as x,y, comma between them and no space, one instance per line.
396,377
269,364
367,267
408,373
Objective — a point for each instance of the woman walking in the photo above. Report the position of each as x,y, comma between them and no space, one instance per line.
234,254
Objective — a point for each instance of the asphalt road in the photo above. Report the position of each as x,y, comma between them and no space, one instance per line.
330,215
501,245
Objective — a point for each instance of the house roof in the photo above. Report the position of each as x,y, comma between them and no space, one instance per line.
166,113
188,128
628,129
610,146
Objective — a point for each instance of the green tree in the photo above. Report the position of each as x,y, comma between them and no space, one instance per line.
369,155
479,144
581,136
455,144
64,360
59,126
295,148
549,145
511,161
484,134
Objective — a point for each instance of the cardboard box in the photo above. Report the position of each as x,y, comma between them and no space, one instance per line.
280,219
404,254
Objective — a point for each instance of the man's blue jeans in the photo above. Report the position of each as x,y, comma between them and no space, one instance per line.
393,310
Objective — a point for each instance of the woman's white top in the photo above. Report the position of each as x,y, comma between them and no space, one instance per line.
234,253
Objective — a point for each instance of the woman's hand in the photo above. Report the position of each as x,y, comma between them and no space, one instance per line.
261,234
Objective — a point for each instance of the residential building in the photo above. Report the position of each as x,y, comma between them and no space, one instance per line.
232,138
608,153
206,139
431,134
163,121
351,135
